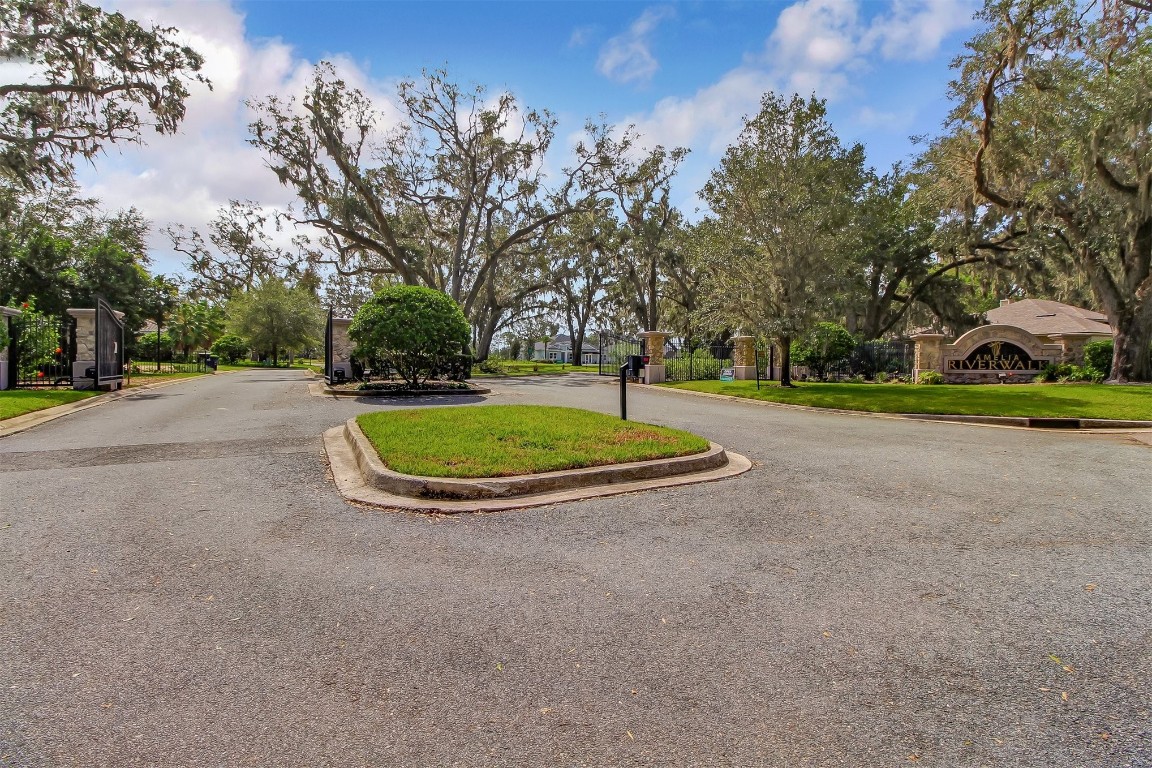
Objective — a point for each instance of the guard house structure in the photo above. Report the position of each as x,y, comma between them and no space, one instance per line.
1020,339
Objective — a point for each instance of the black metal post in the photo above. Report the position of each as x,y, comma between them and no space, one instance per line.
757,370
624,391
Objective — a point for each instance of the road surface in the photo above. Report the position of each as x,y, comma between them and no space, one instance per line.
182,586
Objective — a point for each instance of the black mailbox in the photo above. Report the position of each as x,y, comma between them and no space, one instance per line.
636,365
90,372
338,375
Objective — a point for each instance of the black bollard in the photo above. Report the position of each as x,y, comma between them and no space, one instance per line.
624,391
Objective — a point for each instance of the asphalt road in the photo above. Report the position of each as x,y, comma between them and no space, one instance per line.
180,585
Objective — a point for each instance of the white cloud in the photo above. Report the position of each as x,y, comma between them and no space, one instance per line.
187,177
817,46
627,57
914,29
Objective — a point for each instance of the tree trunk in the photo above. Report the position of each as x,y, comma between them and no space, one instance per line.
1130,352
486,330
275,356
785,344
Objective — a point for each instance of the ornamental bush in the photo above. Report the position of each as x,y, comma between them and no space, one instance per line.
824,345
417,331
230,348
1098,355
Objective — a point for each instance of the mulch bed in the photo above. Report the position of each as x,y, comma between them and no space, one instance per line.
401,389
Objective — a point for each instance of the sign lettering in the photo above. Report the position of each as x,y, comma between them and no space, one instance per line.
997,356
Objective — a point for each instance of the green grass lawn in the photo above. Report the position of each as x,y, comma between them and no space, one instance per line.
21,401
529,368
1084,401
504,440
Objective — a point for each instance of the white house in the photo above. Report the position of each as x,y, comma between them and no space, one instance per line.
559,350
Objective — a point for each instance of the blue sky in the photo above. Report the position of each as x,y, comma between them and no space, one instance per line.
684,72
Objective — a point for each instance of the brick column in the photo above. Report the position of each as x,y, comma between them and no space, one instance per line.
744,357
928,354
654,346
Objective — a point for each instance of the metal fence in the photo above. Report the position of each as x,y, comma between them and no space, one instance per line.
614,352
894,358
41,351
699,364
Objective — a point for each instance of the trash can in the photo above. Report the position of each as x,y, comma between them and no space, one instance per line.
635,365
211,362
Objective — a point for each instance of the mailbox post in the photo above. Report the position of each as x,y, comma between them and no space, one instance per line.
624,391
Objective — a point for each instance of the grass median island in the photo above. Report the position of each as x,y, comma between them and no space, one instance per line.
1073,401
506,440
21,401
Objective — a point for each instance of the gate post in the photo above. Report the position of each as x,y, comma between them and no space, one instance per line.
654,346
85,353
744,358
929,354
5,362
339,352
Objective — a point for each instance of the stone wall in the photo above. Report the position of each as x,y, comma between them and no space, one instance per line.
954,361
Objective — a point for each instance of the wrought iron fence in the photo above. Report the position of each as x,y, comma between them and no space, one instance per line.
41,352
698,364
144,367
894,358
614,352
328,348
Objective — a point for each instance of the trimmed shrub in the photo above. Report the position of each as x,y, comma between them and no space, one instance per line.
824,345
1098,355
417,331
931,377
230,348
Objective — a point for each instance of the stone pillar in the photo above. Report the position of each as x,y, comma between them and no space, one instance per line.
1071,346
654,345
928,354
85,352
5,314
341,347
744,357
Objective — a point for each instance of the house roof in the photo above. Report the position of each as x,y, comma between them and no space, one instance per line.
1043,317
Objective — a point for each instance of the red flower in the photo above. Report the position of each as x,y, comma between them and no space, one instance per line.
59,351
24,305
39,374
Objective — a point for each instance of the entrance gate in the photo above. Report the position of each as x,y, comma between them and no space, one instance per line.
109,346
328,348
41,352
614,352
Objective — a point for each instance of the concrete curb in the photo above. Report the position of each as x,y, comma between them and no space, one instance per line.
355,484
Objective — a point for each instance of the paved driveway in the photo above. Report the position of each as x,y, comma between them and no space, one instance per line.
181,586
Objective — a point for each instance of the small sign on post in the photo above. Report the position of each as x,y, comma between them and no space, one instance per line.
727,374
